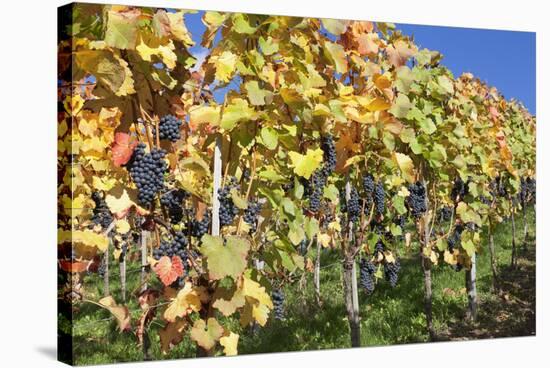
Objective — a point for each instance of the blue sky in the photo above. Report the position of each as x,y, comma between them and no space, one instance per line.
504,59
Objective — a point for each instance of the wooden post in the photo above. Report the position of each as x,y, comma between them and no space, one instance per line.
493,256
525,227
513,262
143,239
217,181
317,275
471,288
350,283
106,291
217,185
427,270
122,267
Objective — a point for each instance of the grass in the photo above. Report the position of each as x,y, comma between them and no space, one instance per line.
388,316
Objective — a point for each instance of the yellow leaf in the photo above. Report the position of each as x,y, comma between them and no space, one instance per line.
164,52
73,104
305,165
225,65
406,166
230,343
337,55
335,226
205,114
324,240
87,127
378,104
103,183
122,226
84,237
206,333
187,301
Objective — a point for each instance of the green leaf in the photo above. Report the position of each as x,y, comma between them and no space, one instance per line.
269,137
396,230
225,65
399,204
311,227
256,95
241,24
335,26
469,247
305,165
331,193
237,111
225,260
270,174
336,53
288,206
401,106
121,30
296,233
237,199
269,46
427,125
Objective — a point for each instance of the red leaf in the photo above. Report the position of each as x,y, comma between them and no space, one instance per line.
123,148
169,270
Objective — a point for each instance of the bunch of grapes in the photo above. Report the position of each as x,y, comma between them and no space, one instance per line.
366,275
353,206
176,247
379,196
379,248
228,210
251,214
278,298
318,181
302,247
169,128
147,171
173,201
391,272
460,190
445,213
454,239
498,188
329,154
101,214
198,228
416,201
368,191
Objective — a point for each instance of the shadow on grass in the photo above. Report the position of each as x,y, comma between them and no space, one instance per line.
510,311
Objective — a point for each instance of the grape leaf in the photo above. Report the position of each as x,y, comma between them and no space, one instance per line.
228,300
225,65
256,95
168,270
337,55
401,106
206,334
171,335
305,165
238,110
258,303
121,30
225,260
335,26
187,300
405,165
204,114
229,343
120,313
123,148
